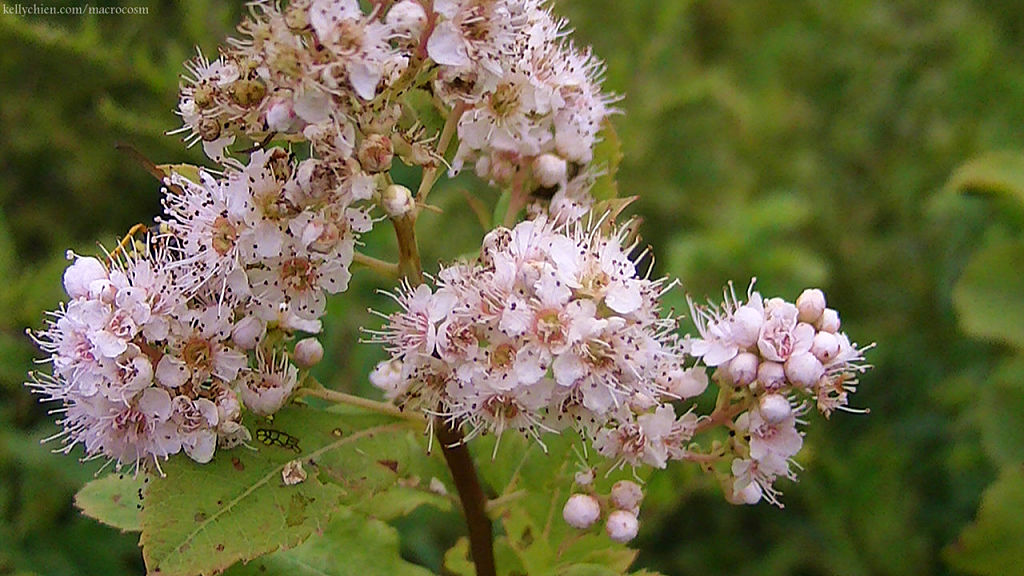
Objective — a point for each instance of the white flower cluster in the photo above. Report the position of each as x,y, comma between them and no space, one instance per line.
141,371
152,354
528,104
276,235
775,354
551,328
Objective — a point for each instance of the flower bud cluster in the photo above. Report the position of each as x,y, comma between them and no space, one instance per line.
774,358
583,510
552,327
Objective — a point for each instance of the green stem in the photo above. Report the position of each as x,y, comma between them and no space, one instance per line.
431,174
359,402
386,269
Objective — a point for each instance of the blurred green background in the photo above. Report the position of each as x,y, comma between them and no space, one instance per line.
867,147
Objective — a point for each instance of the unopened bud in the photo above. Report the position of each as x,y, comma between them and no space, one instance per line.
804,370
774,408
406,18
746,326
550,170
308,352
375,153
248,332
771,375
742,369
622,526
396,200
810,305
627,495
825,347
829,321
581,511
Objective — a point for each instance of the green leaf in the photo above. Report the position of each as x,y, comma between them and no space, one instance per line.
204,518
1002,413
607,156
113,500
351,546
992,544
990,295
996,173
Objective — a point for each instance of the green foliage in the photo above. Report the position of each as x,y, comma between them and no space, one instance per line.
115,500
204,518
351,545
991,545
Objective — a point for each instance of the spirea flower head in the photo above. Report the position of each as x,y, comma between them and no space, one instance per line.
521,97
551,327
276,233
777,358
138,371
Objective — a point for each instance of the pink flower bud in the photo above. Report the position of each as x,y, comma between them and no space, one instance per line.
627,495
396,200
825,347
804,370
829,321
581,511
406,18
810,304
248,332
746,327
774,408
622,526
549,170
308,352
742,370
771,375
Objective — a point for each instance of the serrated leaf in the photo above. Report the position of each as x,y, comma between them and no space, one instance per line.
991,546
352,545
996,173
204,518
607,157
989,296
113,500
401,501
1002,413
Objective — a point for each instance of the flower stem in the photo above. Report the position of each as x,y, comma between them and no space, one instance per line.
359,402
385,269
471,494
431,174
